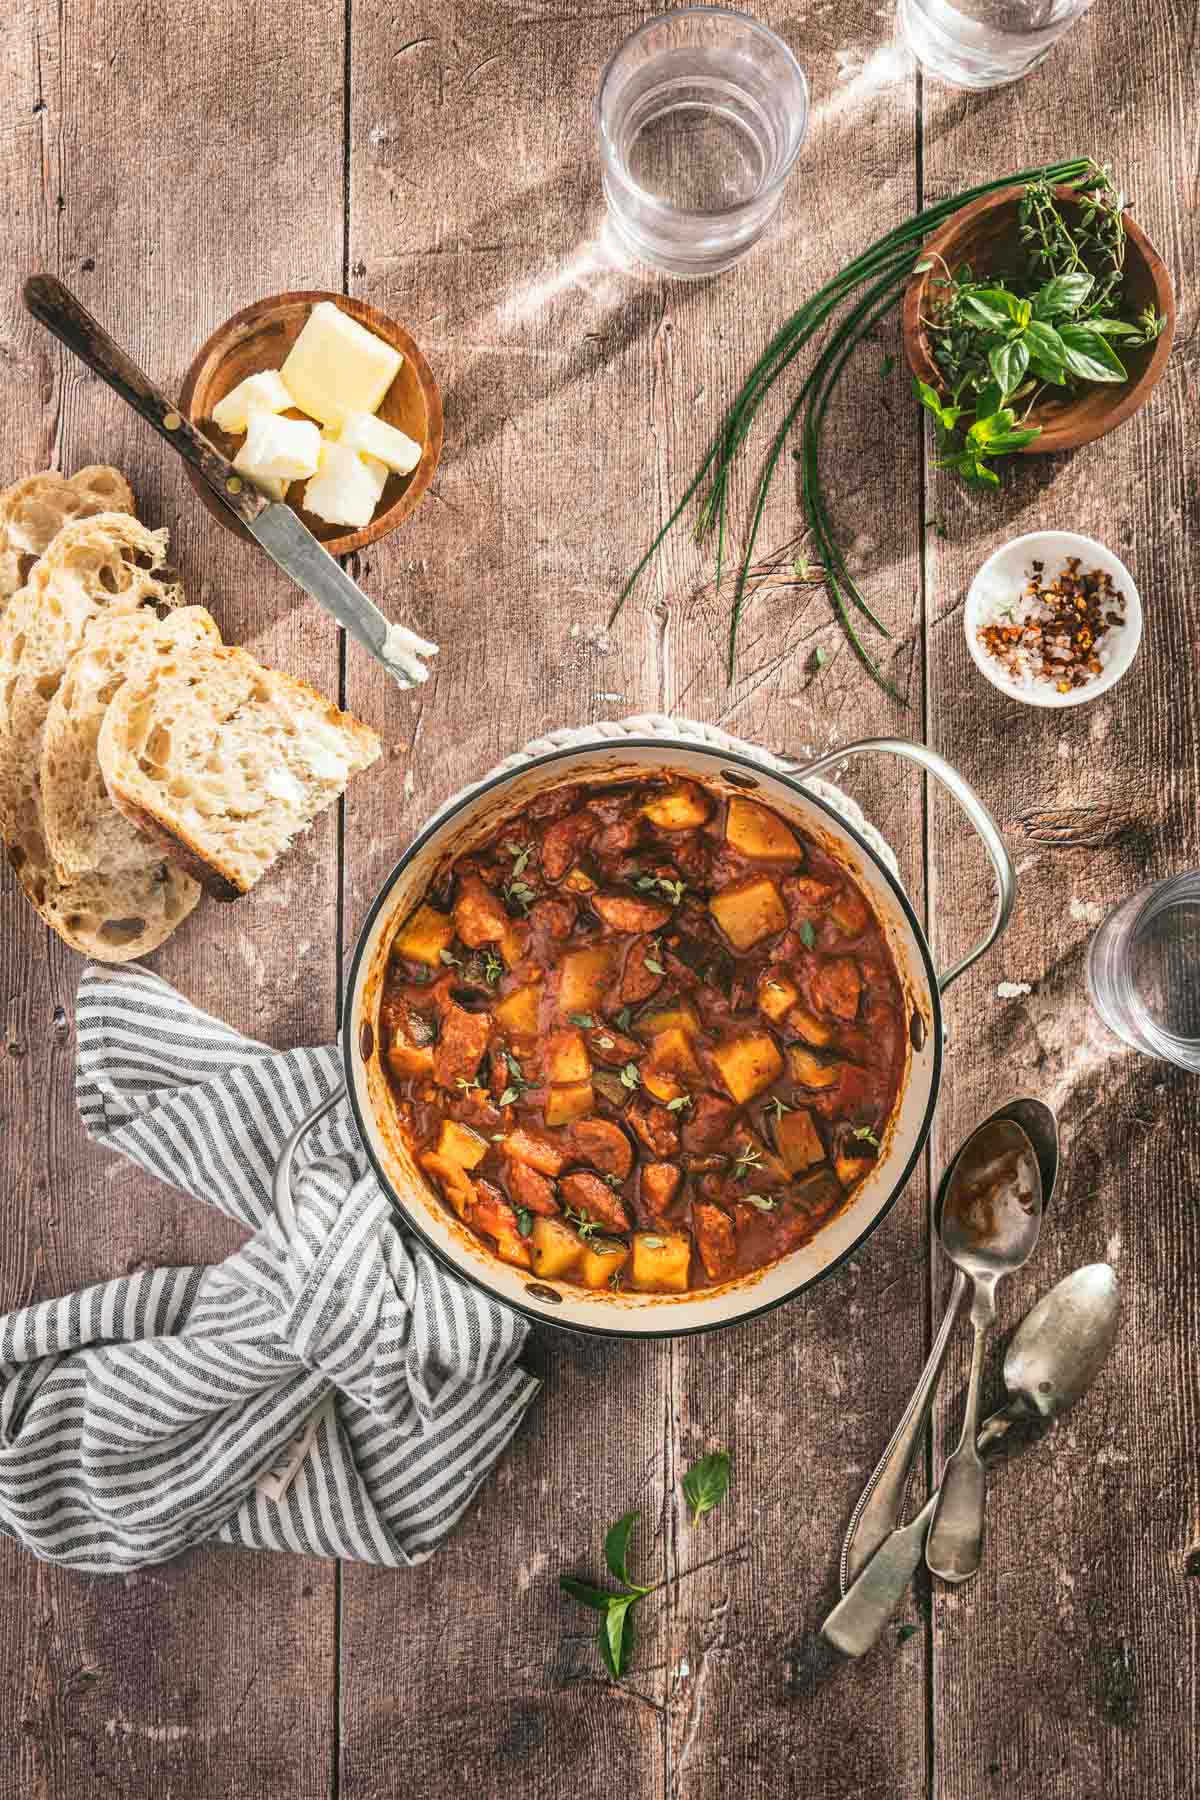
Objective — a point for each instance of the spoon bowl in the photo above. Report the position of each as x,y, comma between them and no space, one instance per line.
989,1213
989,1219
1063,1342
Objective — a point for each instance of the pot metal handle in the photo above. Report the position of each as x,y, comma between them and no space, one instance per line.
281,1181
976,811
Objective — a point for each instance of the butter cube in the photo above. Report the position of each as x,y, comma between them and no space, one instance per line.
346,487
257,393
375,437
278,449
337,367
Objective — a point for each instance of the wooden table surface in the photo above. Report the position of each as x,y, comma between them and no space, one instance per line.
175,163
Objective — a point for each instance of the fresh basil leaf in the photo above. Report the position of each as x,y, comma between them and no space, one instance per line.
1054,373
946,416
1045,343
1014,440
616,1546
1008,363
1090,356
985,312
976,472
1062,294
990,398
1114,328
597,1598
984,432
706,1483
615,1636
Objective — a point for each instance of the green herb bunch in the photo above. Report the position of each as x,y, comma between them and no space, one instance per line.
704,1486
855,301
1000,343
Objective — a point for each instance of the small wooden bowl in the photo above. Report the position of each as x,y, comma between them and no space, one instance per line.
259,337
985,235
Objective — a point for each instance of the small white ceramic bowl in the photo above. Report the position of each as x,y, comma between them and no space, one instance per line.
1006,572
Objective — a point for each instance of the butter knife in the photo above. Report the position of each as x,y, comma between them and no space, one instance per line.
284,537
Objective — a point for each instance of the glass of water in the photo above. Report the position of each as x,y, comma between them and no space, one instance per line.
1143,970
701,114
984,43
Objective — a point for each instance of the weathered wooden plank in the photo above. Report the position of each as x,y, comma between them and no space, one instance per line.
578,399
171,169
472,184
806,1398
1060,1668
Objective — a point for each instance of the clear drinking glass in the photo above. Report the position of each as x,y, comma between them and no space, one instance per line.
984,43
701,115
1143,970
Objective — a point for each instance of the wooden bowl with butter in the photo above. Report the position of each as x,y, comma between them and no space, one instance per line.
257,340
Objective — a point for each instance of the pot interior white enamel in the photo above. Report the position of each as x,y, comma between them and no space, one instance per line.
628,1314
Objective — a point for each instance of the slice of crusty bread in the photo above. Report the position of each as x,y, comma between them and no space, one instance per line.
111,918
84,830
92,566
33,511
108,563
225,761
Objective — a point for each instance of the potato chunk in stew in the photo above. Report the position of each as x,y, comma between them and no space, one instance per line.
424,937
748,1064
681,808
756,831
557,1249
459,1144
798,1142
749,911
566,1057
602,1262
584,977
573,1101
660,1262
518,1014
633,1096
776,995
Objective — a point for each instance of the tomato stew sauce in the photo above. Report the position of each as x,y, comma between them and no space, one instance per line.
644,1038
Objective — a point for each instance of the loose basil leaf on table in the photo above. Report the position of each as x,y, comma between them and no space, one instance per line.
616,1550
706,1483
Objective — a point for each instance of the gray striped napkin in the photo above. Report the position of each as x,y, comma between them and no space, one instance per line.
331,1390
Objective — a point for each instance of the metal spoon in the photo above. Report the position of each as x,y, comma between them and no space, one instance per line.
989,1222
881,1503
1056,1354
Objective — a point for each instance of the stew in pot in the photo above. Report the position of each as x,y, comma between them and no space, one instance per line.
644,1038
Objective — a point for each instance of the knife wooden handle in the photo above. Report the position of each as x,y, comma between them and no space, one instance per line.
56,307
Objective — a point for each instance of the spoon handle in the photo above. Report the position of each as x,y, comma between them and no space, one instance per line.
882,1500
954,1548
861,1614
869,1602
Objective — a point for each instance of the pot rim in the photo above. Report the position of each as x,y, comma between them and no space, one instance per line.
500,779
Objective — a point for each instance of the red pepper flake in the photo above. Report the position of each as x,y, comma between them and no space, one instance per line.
1054,630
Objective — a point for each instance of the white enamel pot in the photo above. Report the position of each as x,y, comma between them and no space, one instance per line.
657,746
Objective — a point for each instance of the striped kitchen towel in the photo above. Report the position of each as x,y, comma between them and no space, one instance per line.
327,1389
